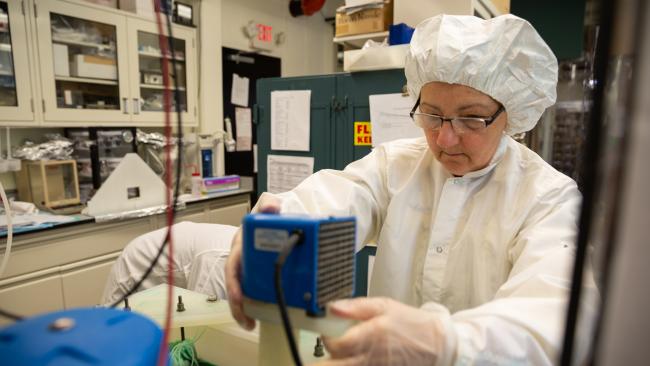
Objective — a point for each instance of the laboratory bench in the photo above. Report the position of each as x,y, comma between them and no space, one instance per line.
66,265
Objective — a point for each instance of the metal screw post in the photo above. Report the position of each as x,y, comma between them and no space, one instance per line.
318,348
180,306
62,324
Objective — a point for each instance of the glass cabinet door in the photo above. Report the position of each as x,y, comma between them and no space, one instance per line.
146,78
15,84
82,64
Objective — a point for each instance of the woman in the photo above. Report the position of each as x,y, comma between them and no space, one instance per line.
474,231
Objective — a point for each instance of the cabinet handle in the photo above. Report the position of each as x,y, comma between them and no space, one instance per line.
126,105
136,105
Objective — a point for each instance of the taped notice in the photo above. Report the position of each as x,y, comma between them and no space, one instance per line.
286,172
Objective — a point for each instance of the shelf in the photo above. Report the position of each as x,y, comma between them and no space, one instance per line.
86,80
160,87
5,47
6,73
159,55
357,40
82,44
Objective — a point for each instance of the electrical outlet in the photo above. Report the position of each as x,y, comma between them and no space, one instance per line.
4,166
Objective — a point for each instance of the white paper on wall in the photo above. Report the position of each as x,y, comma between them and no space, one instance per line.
244,129
389,118
284,173
290,120
239,90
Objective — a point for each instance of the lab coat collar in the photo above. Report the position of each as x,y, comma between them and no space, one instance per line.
498,155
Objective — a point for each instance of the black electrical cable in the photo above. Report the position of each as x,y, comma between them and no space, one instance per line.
294,239
179,160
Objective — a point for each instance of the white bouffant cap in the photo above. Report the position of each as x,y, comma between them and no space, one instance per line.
503,57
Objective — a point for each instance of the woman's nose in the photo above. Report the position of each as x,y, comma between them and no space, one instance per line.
447,137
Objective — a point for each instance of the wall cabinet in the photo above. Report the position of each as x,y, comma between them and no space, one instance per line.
337,101
44,294
16,100
145,60
80,287
84,74
100,66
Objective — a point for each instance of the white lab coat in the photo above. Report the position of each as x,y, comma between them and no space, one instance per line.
200,255
494,247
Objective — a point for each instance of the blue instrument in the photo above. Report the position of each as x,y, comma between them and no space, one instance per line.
84,336
319,269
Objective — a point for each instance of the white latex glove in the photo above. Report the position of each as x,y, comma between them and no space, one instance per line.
391,333
269,204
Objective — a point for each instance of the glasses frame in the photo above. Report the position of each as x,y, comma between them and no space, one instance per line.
488,121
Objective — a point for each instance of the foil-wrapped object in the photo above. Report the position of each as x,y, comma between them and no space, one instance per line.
56,148
154,139
158,140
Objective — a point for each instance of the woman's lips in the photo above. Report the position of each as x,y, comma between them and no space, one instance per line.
451,154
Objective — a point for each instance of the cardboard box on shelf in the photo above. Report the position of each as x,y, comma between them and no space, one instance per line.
502,5
370,20
89,66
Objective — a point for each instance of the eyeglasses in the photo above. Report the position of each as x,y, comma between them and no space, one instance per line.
459,124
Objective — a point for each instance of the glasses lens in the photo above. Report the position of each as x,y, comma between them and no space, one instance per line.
427,121
469,124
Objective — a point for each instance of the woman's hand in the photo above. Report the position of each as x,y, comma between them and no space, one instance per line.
389,333
267,204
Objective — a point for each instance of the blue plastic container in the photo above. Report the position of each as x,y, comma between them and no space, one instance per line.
84,336
399,34
206,161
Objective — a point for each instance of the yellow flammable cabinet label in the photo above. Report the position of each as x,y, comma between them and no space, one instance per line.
362,136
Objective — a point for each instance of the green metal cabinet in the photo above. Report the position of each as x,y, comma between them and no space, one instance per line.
559,22
337,101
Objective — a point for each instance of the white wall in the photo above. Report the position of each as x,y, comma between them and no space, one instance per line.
308,48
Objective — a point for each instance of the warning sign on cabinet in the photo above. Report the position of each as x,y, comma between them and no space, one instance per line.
362,135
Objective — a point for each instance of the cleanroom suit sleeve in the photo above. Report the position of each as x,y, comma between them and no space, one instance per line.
358,190
524,323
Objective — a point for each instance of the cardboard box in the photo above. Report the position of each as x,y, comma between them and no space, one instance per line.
365,21
89,66
502,5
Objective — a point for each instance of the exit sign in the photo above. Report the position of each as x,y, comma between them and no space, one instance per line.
264,39
264,33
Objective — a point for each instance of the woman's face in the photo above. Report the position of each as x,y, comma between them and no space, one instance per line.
470,151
